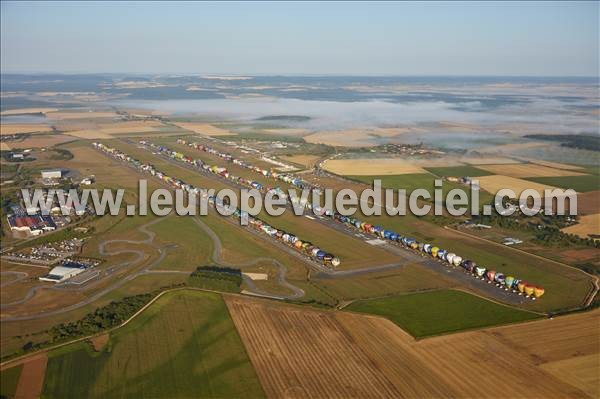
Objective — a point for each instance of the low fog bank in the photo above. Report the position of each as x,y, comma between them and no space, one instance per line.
537,115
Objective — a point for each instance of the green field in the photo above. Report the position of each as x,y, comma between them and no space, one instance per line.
409,278
191,247
459,171
581,184
439,312
184,345
9,379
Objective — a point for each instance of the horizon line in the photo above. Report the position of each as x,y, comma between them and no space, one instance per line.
292,74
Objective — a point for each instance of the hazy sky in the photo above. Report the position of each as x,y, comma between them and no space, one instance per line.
303,38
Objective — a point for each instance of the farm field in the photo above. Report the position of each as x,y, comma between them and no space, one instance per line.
555,165
458,171
302,353
586,226
25,111
588,203
9,379
15,128
204,129
183,345
41,140
108,130
414,181
439,312
488,160
529,170
80,114
581,184
356,137
369,167
305,160
494,183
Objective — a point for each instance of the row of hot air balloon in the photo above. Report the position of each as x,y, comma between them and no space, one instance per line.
284,177
506,282
287,238
295,242
498,278
217,170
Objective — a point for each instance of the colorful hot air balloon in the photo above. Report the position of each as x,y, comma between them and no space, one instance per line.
434,251
521,286
509,281
450,257
529,290
491,274
469,265
538,291
480,270
499,278
298,244
335,262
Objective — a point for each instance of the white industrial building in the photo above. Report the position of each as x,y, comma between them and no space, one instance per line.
51,174
61,273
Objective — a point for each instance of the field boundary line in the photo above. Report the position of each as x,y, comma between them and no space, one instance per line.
18,360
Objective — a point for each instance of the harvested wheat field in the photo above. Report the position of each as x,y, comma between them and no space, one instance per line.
204,128
371,167
288,131
310,353
494,183
5,147
31,381
305,353
23,111
89,134
108,130
83,114
586,225
305,160
528,170
588,203
355,137
568,346
16,128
